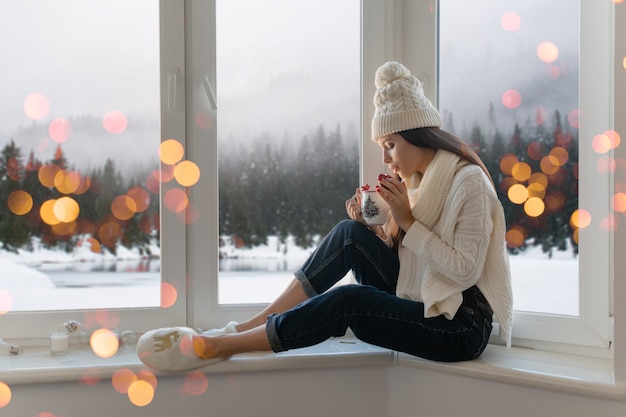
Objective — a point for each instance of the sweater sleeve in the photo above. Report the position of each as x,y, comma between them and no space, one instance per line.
465,223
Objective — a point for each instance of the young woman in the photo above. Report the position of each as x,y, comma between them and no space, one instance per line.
429,281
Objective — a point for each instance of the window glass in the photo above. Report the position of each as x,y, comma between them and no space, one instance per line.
79,138
509,85
288,98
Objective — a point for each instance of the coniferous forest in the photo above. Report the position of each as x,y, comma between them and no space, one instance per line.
284,186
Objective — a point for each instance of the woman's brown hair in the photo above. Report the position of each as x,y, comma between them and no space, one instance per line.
435,138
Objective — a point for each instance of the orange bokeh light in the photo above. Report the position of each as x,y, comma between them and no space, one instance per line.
601,143
109,233
36,106
547,51
47,173
46,212
507,162
187,173
140,393
518,194
20,202
104,343
580,218
514,238
5,394
66,182
171,151
619,202
66,209
123,207
534,207
114,122
141,198
521,171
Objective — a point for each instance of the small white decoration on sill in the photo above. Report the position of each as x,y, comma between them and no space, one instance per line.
60,337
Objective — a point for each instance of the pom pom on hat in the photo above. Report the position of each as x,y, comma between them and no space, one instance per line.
400,102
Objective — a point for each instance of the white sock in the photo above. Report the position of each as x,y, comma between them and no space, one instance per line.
228,329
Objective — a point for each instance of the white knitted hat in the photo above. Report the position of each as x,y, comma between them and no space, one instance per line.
400,102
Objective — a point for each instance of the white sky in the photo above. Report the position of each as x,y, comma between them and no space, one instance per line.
273,75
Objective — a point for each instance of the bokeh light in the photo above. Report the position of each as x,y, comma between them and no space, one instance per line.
573,118
511,21
60,130
601,143
507,162
559,156
171,151
580,218
6,302
122,380
36,106
196,383
123,207
140,393
109,233
619,202
515,237
104,343
114,122
90,377
518,193
511,99
547,52
66,182
46,212
47,173
203,121
141,198
534,207
20,202
168,295
614,137
66,209
5,394
187,173
175,200
521,171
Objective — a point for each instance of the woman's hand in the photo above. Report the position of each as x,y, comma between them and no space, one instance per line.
395,194
353,207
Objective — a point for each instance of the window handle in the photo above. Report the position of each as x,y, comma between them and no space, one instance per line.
172,88
209,92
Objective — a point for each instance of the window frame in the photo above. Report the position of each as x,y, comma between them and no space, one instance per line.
189,258
385,29
32,327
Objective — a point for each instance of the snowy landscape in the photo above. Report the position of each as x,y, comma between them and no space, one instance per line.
49,280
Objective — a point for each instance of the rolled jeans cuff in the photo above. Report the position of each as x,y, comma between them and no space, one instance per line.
272,333
306,284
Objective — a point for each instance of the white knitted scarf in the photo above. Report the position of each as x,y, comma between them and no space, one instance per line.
428,195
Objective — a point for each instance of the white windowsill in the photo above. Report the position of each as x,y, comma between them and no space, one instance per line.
35,365
572,374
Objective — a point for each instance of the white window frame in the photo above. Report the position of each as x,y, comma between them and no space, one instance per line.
403,30
32,328
406,30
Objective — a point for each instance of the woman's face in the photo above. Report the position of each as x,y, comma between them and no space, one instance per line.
403,158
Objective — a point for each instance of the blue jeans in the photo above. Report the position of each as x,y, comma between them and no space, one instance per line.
370,308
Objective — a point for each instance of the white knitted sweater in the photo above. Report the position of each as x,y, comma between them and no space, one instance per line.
465,246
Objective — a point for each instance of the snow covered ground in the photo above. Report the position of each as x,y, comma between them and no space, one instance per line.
40,280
